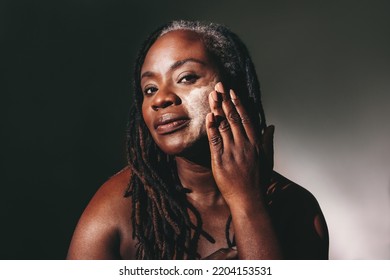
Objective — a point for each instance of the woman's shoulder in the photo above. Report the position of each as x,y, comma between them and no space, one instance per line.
283,190
116,185
298,219
110,197
105,222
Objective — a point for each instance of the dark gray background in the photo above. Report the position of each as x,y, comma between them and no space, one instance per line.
65,83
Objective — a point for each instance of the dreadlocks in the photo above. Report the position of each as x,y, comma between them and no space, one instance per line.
160,211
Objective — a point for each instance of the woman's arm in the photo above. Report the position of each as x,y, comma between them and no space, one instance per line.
240,164
98,234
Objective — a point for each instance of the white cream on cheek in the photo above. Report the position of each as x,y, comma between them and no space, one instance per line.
197,105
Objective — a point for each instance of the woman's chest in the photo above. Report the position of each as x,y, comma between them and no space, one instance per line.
217,233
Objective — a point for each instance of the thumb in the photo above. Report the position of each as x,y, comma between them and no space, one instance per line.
214,137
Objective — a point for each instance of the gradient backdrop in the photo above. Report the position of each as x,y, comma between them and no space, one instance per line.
65,83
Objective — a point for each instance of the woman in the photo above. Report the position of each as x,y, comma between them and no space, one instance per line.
199,182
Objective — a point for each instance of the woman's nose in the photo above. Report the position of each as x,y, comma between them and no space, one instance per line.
165,98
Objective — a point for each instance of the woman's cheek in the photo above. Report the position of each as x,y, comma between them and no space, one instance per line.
198,106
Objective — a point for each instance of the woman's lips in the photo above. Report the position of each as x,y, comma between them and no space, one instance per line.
169,123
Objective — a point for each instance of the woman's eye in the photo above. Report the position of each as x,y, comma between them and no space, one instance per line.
150,90
189,79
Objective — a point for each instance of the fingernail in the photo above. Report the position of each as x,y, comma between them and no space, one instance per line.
233,97
218,87
232,94
214,95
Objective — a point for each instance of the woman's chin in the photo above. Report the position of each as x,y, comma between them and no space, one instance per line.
172,146
175,150
197,152
179,149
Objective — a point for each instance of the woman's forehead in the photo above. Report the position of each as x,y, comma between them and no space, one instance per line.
174,46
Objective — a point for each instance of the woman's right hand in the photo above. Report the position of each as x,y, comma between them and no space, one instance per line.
241,159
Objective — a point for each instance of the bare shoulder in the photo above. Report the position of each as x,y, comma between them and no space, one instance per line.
104,228
285,191
298,219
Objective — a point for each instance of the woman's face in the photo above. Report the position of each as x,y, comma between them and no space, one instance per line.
176,78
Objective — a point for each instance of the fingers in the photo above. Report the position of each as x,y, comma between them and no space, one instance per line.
244,118
216,101
234,122
215,139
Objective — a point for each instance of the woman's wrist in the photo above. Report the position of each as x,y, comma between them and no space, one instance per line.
246,202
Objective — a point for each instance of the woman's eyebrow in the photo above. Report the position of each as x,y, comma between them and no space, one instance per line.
175,65
179,63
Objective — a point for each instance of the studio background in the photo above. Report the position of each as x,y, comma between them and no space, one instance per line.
65,84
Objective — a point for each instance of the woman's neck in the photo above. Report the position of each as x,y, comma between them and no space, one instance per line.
198,178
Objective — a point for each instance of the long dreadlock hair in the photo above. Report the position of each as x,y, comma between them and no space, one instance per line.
160,218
